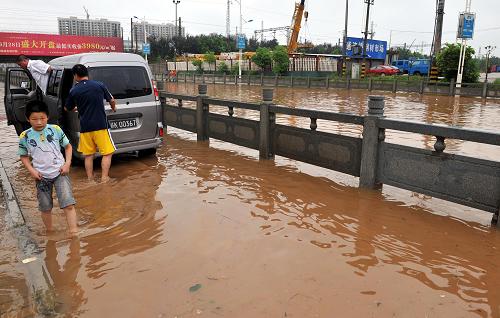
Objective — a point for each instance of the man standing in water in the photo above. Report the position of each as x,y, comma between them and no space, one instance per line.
87,97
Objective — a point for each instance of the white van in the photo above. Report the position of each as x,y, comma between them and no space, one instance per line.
135,126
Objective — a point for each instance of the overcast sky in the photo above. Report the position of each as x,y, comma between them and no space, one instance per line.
411,21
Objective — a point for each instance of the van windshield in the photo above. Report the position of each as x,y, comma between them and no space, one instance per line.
123,81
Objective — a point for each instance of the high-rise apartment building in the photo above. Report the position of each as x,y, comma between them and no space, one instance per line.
101,27
155,30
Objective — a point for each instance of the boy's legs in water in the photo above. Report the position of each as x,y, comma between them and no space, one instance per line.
71,219
105,165
47,220
89,167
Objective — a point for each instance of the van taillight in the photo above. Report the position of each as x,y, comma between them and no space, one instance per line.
155,89
160,129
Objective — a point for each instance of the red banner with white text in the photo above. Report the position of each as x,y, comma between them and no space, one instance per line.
55,45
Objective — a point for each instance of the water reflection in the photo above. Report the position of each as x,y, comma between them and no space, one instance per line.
69,293
365,230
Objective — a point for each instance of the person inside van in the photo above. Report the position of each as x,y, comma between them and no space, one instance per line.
38,69
87,97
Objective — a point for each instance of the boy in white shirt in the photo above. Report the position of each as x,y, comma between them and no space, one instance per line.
40,152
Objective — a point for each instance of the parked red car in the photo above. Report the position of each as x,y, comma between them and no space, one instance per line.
383,70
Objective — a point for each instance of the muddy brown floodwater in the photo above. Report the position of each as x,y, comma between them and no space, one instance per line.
208,230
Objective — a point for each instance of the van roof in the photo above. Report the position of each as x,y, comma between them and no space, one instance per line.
83,58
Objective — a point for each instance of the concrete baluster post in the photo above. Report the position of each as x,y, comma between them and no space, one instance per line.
201,113
484,93
291,80
225,79
266,121
261,79
248,79
422,86
276,80
308,82
372,137
370,84
395,85
348,84
327,84
452,87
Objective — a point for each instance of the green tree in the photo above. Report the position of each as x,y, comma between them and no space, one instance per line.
447,62
223,68
199,65
263,58
280,59
210,58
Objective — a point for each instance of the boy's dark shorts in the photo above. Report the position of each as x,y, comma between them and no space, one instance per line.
63,190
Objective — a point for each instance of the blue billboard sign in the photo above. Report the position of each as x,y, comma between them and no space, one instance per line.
466,25
241,41
375,49
146,48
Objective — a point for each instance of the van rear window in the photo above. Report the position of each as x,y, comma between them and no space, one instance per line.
123,81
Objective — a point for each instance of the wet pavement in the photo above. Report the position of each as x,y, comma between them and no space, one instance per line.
208,230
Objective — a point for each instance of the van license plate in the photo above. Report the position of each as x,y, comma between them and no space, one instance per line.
123,123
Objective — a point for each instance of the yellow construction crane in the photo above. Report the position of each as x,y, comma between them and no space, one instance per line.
293,45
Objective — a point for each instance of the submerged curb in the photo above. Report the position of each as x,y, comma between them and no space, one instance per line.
30,254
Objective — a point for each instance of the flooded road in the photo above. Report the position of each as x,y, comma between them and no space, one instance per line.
208,230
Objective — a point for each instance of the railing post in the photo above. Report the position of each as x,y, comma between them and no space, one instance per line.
224,78
261,79
276,80
248,78
235,79
291,80
370,84
395,85
348,84
213,82
421,91
372,137
452,87
201,113
309,82
327,84
485,90
266,120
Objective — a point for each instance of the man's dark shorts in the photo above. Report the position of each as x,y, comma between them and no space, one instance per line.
63,190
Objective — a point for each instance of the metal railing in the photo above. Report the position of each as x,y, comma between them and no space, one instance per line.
465,180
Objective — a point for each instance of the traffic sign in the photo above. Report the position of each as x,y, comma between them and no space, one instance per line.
146,48
466,25
241,41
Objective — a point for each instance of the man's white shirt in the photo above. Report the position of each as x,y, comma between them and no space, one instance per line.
38,70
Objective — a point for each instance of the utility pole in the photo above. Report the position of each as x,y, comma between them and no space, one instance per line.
488,49
145,38
344,44
228,19
131,35
180,27
365,42
262,31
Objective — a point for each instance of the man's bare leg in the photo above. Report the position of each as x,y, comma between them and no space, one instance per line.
105,165
89,167
47,220
71,219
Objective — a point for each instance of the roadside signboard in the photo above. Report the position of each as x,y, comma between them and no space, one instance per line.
146,48
241,41
375,49
466,23
34,44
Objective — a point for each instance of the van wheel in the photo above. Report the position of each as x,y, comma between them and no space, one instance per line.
147,152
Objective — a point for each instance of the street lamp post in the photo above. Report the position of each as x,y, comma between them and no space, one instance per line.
176,2
145,38
365,41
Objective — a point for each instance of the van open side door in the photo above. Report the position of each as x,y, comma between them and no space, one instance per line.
20,87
